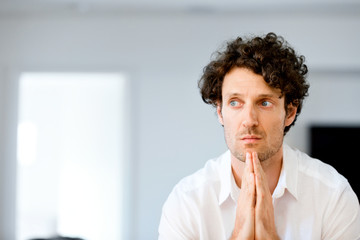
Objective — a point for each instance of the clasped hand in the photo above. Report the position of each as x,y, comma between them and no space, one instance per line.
255,212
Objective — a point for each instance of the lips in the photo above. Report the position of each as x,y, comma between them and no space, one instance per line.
250,138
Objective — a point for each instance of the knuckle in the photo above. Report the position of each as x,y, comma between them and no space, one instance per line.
261,196
249,194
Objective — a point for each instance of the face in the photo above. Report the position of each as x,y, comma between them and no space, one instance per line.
253,115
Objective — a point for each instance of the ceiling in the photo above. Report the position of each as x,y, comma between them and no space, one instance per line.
18,7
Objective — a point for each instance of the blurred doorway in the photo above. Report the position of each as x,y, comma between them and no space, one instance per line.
70,155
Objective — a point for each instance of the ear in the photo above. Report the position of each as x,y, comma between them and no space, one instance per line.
219,113
290,114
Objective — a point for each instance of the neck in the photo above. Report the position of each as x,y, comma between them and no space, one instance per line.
271,167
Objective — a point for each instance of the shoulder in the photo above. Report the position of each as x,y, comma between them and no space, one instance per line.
317,171
184,205
206,177
330,194
189,195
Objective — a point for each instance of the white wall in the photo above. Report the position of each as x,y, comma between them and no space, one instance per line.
174,133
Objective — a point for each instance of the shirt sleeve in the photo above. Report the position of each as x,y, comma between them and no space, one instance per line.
342,218
177,219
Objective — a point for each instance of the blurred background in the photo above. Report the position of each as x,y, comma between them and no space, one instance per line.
100,114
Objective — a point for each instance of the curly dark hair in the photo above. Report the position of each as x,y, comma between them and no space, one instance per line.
271,57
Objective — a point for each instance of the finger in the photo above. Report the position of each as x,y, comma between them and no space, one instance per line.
258,170
256,164
260,179
246,177
251,186
248,196
248,181
247,169
261,185
252,189
249,162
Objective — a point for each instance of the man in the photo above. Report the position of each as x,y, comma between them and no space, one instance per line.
260,188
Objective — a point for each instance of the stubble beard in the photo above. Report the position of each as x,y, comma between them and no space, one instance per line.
264,152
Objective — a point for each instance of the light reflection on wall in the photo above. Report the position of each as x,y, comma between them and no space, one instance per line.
70,155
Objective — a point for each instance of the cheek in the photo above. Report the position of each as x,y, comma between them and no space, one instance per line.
231,127
232,123
273,123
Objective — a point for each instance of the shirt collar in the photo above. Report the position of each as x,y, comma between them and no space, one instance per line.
226,178
287,180
289,173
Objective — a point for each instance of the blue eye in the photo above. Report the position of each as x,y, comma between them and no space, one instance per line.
265,103
234,103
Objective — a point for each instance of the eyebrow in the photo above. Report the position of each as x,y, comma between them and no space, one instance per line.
269,95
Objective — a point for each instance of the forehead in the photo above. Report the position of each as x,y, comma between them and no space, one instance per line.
244,82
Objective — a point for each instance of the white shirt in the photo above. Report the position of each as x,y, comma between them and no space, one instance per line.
311,201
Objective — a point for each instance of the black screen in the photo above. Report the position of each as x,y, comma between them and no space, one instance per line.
340,147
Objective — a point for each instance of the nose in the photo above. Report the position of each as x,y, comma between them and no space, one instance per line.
250,117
